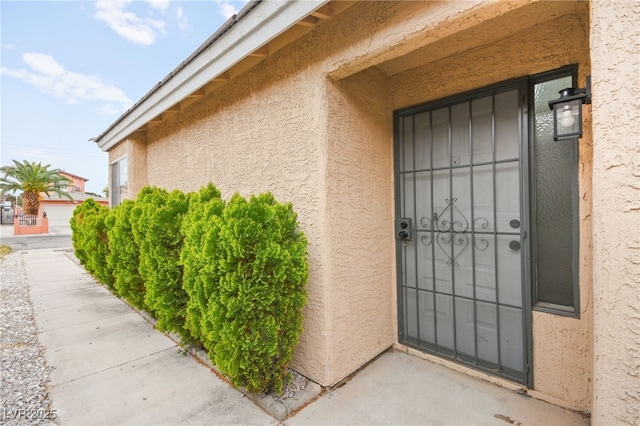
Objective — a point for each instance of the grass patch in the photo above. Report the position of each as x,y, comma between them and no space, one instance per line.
4,250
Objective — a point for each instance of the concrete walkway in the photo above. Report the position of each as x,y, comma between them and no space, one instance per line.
113,368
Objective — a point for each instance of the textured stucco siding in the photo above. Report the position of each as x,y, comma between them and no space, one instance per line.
251,138
615,55
313,124
359,212
562,349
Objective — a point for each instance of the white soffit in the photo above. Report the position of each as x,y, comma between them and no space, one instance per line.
266,21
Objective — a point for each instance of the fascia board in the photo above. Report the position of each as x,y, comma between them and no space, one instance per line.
270,19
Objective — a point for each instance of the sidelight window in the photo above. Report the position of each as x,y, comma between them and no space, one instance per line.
554,198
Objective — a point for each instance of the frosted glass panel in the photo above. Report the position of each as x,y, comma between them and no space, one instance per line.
555,189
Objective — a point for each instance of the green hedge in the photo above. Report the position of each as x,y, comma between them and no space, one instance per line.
124,256
156,219
228,276
204,207
257,312
90,240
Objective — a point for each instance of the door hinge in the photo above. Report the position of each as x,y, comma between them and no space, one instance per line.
523,234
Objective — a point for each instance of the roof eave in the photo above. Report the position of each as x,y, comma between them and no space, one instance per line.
237,42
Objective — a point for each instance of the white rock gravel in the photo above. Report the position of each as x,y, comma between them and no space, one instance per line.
24,373
297,383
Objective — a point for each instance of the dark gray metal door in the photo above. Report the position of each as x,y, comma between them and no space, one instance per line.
7,214
460,231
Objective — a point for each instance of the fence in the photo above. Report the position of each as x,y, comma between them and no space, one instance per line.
27,224
29,220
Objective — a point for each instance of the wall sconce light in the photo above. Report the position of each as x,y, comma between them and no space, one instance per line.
567,111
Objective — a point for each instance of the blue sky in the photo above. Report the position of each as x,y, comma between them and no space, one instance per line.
68,69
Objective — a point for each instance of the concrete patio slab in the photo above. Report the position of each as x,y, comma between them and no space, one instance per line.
111,367
68,314
401,389
84,349
166,388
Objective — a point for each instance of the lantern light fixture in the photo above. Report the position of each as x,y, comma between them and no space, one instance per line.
567,111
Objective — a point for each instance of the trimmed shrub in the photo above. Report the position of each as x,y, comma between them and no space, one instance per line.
204,207
156,220
88,207
90,240
231,277
257,291
124,255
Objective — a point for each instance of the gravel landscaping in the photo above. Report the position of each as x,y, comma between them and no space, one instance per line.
24,399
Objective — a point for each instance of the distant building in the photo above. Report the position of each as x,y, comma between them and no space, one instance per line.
78,183
60,209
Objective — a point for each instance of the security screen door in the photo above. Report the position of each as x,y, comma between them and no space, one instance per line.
460,230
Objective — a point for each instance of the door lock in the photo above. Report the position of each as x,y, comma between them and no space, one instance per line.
403,229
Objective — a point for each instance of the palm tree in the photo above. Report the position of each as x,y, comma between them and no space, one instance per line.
33,179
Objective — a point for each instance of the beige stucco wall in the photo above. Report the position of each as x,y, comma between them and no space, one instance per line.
326,144
359,213
615,55
562,353
562,350
256,136
135,149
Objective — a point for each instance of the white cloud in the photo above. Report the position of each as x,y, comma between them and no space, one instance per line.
44,64
227,10
161,5
183,22
50,77
7,46
142,31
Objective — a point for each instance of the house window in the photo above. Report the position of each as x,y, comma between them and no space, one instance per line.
554,198
119,183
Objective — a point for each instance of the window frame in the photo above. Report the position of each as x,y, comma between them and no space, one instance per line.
537,305
115,182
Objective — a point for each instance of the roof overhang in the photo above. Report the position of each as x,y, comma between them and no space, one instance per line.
239,38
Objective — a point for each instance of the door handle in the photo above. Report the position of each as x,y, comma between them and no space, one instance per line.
403,229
